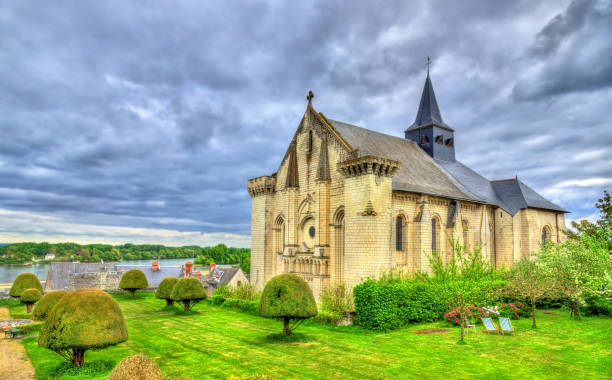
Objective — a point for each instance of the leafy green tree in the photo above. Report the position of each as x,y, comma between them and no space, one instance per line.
466,275
581,266
164,290
289,297
23,282
46,303
531,279
83,319
188,291
29,297
133,280
601,228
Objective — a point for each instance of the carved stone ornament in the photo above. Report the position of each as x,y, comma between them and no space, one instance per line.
369,210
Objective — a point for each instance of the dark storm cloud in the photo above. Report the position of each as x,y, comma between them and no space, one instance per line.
136,115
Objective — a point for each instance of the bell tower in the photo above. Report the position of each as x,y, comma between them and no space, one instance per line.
429,130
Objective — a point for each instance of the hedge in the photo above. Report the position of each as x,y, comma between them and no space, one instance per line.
30,327
21,315
388,305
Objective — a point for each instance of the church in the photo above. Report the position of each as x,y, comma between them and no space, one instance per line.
348,203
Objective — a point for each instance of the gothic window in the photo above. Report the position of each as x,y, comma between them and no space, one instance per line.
546,234
435,234
399,235
439,139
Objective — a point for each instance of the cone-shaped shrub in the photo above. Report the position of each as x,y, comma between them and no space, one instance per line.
83,319
188,291
46,303
289,297
23,282
164,290
136,367
133,280
29,297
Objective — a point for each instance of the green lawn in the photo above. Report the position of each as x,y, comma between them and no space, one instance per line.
216,342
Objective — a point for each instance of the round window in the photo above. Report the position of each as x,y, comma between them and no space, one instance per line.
311,231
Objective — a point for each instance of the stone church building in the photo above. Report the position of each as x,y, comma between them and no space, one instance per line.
349,203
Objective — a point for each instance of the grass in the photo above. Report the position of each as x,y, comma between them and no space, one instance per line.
214,342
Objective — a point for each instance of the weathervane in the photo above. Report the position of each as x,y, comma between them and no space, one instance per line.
310,96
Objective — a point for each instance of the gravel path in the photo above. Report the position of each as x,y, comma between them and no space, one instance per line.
14,363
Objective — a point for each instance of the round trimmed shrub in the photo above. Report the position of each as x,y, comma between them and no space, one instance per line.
29,297
83,319
289,297
23,282
46,303
188,291
164,290
133,280
136,367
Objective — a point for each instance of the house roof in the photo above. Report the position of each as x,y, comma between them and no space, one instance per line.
422,174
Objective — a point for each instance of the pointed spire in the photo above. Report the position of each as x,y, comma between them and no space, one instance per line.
323,169
292,169
428,113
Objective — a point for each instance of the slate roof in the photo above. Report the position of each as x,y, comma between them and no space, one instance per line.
420,173
428,112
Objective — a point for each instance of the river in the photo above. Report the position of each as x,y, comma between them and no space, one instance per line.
8,273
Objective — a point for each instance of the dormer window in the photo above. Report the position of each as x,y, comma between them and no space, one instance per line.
424,140
439,139
450,142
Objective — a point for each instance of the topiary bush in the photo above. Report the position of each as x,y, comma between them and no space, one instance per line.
23,282
133,280
136,367
29,297
289,297
164,290
81,320
46,303
188,291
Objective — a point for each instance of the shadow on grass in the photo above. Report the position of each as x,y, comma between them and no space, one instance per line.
291,338
182,312
87,370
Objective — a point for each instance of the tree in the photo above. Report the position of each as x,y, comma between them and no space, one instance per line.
29,297
467,276
81,320
133,280
531,279
23,282
289,297
581,266
46,303
164,290
601,228
188,291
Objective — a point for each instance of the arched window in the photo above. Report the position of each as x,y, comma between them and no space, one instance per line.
399,233
338,262
280,234
546,234
435,234
439,139
424,139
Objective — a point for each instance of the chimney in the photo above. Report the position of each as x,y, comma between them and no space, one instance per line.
155,266
188,268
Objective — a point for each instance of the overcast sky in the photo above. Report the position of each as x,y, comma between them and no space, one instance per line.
141,121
